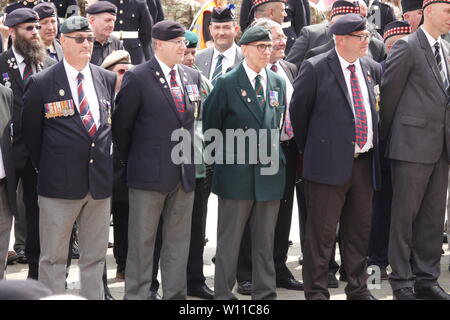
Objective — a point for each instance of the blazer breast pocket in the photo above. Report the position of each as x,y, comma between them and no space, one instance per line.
413,121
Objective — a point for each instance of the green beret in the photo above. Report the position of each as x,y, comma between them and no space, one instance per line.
191,39
75,23
254,34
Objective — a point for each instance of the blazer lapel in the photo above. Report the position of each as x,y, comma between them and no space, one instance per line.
335,66
370,83
247,93
269,111
14,71
287,70
100,88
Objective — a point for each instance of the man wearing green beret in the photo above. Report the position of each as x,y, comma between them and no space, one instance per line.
248,102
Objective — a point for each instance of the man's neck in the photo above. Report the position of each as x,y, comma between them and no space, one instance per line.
167,63
101,39
253,67
222,49
78,65
346,57
49,45
431,31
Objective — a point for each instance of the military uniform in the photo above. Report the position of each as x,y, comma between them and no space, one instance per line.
182,11
65,8
21,4
134,26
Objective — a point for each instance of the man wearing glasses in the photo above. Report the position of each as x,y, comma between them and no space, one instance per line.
157,99
334,116
250,98
67,128
25,57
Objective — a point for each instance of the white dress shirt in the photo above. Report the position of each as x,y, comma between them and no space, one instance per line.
2,166
88,88
227,61
252,77
432,41
366,99
289,92
166,71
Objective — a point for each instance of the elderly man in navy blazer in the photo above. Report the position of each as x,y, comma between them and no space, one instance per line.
157,99
333,113
67,129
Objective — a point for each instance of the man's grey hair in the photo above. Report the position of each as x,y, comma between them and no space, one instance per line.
262,8
266,23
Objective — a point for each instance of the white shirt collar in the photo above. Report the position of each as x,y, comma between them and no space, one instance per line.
432,41
72,73
165,68
19,57
252,74
345,63
227,53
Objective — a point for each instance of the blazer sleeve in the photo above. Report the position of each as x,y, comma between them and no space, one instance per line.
298,51
32,119
128,103
398,66
302,103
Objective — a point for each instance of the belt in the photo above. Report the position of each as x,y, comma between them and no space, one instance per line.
126,34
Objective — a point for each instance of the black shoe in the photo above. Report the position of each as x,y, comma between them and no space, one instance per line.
22,259
332,281
433,293
12,257
368,297
290,284
213,259
245,288
343,277
108,295
406,293
201,291
153,295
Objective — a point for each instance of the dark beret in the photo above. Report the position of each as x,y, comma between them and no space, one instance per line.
19,16
410,5
396,28
348,23
343,7
254,34
167,30
225,14
191,39
428,2
260,2
45,10
101,7
75,23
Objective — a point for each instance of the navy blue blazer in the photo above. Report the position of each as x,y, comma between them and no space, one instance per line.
323,120
144,121
70,163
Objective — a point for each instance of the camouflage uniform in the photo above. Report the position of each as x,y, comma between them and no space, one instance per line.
317,15
182,11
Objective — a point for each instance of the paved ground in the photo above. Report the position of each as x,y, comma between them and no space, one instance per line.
384,292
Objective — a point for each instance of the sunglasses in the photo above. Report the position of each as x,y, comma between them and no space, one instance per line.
80,40
31,28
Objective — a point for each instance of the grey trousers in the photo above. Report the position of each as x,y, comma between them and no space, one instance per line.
146,209
417,217
5,227
56,220
232,218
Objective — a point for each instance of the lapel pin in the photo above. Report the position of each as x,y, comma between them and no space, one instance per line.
249,100
165,86
243,93
157,73
162,80
61,92
184,79
13,59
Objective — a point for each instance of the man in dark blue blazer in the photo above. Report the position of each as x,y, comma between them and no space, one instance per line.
67,129
158,100
333,113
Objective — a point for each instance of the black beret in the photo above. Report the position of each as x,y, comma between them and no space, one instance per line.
348,23
167,30
101,7
410,5
75,23
19,16
428,2
254,34
45,10
343,7
225,14
396,28
259,2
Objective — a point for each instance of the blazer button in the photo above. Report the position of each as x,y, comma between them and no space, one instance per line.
120,11
91,161
120,21
93,144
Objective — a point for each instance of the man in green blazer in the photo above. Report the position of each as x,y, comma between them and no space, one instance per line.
248,177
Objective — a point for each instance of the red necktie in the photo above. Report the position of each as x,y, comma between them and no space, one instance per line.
85,112
27,71
360,110
177,94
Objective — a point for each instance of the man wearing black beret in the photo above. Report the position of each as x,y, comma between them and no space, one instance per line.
49,30
412,12
102,17
157,99
335,125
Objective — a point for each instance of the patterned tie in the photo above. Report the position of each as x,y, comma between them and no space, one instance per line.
85,112
218,69
27,71
259,90
437,55
360,110
287,125
177,94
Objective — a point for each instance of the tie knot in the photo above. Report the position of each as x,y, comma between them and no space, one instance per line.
437,46
220,57
274,68
80,77
173,73
351,68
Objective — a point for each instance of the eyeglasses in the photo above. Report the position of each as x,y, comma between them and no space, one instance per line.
80,40
178,43
262,47
362,37
31,28
279,39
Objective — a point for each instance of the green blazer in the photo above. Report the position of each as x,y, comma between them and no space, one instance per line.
232,104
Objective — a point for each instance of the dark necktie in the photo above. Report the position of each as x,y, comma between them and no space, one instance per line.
27,71
83,106
177,94
259,90
360,110
218,69
437,55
